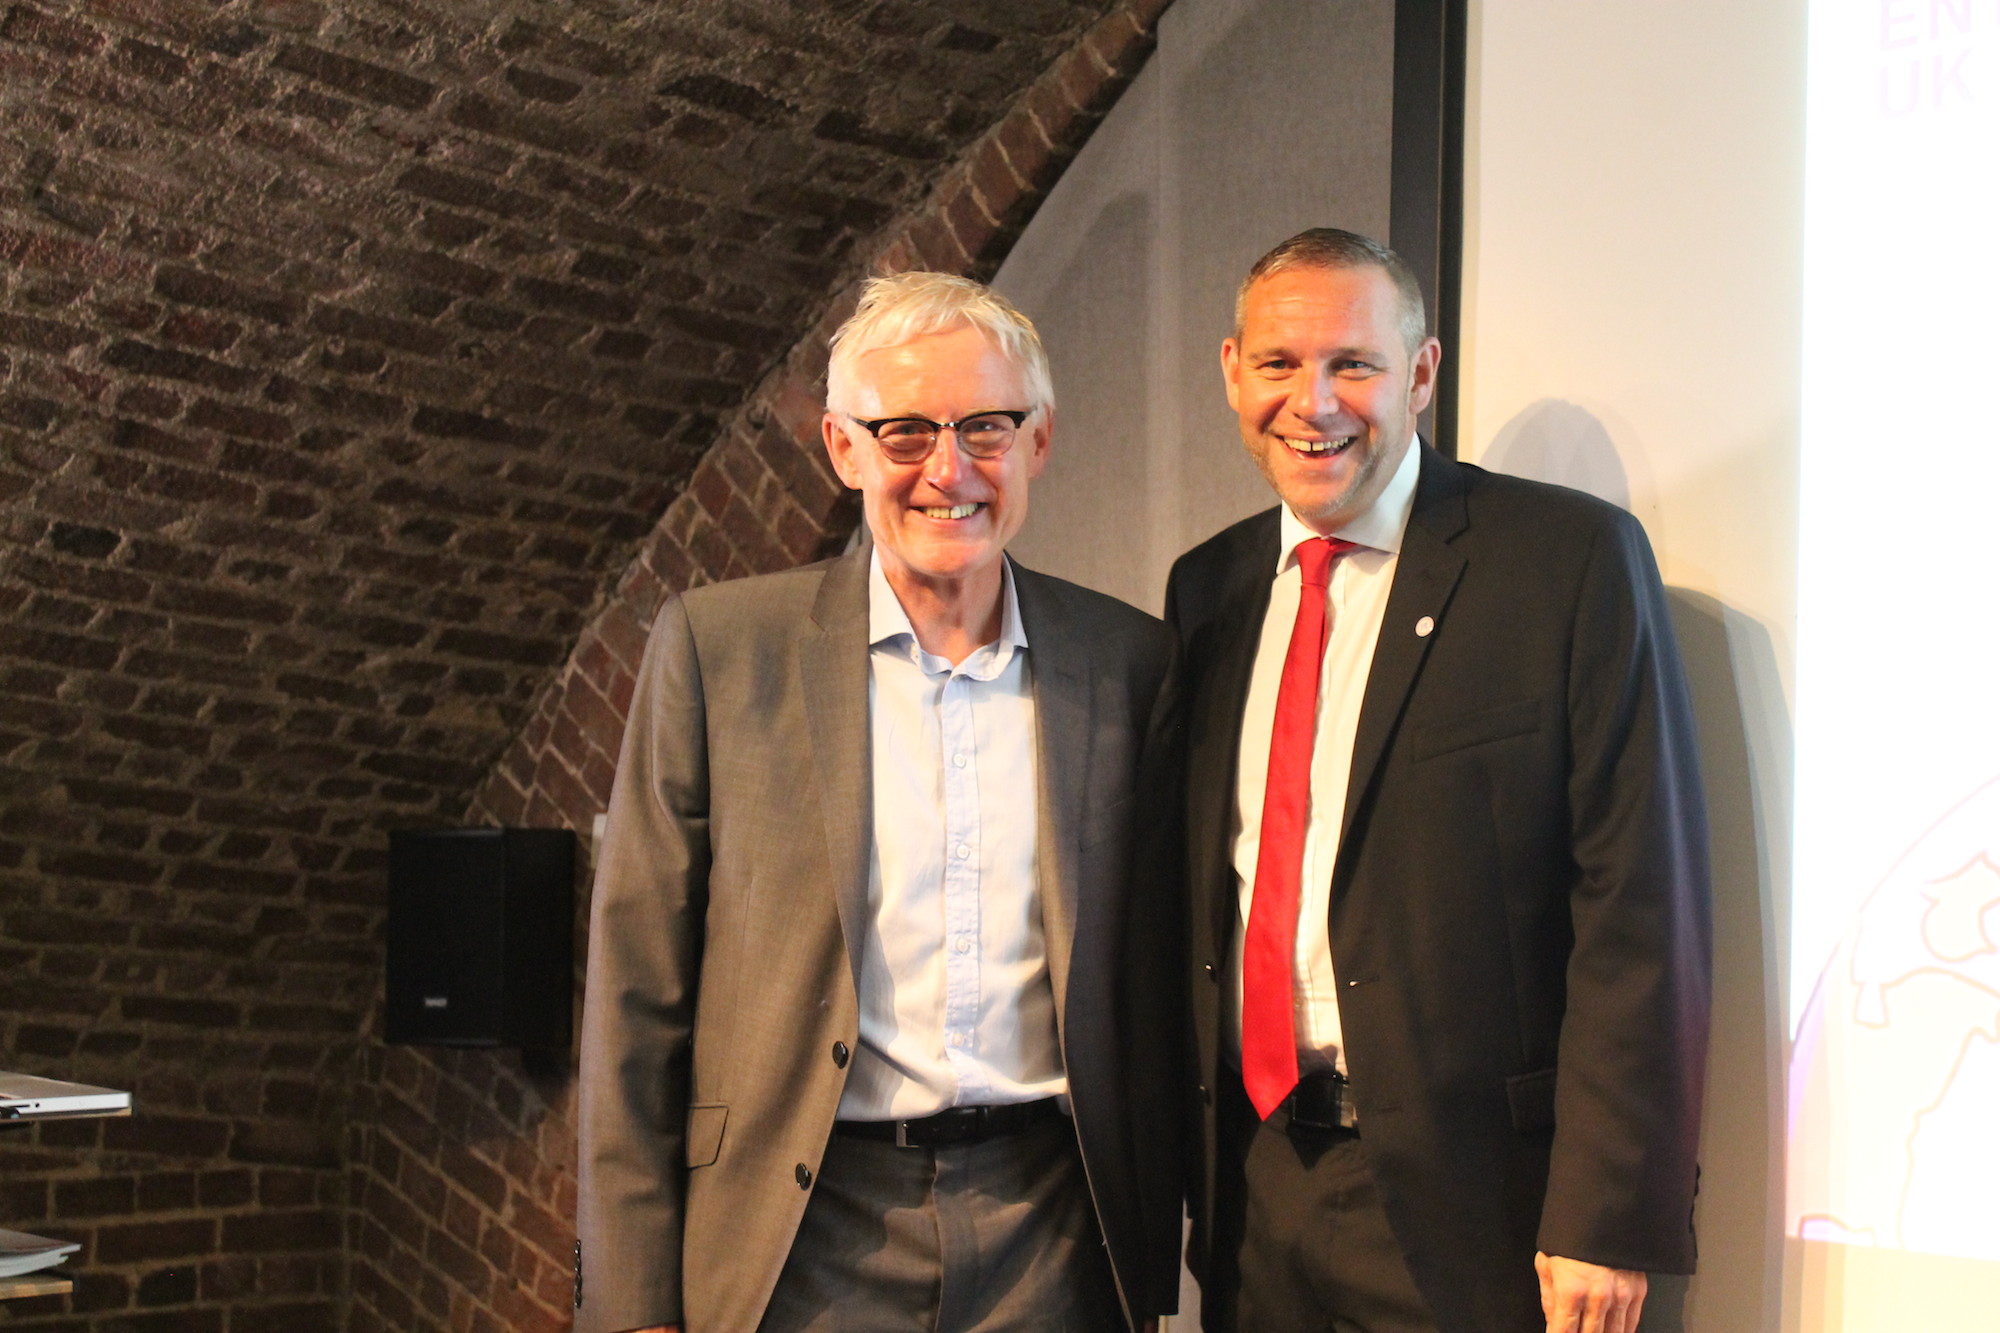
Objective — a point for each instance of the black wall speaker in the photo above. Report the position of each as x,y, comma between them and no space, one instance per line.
481,937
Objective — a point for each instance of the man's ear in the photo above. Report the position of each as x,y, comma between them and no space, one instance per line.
840,450
1424,374
1230,353
1040,440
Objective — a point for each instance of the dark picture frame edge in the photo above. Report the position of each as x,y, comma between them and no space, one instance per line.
1427,181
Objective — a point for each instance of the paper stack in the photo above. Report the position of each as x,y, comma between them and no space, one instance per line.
22,1253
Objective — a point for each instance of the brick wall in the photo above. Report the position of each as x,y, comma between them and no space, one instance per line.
472,1156
348,352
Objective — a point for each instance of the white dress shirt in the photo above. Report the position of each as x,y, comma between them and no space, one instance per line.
1357,594
956,1006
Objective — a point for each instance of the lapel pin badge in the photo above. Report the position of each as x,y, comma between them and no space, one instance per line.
1425,626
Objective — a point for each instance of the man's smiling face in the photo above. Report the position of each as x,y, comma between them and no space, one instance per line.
1325,391
946,519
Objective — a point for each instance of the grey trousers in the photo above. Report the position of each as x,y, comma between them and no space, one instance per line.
993,1237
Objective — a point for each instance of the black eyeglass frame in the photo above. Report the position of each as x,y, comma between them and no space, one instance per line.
1018,416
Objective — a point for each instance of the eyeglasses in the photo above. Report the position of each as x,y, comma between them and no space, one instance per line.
911,439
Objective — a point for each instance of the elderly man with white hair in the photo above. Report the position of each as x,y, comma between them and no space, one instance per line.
874,999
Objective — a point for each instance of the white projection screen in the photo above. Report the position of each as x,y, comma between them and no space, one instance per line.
1893,1108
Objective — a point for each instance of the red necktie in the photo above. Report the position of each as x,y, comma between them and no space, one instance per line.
1270,1046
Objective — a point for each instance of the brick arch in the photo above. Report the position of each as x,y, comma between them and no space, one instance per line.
369,371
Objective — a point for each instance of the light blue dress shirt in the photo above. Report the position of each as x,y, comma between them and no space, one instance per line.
956,1006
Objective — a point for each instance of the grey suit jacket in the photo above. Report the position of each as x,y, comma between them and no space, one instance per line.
729,911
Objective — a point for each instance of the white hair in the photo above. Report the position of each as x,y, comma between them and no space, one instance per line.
903,306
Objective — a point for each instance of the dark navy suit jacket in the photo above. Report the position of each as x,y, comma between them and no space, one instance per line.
1520,909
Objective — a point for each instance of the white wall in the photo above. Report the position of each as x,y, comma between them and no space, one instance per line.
1632,327
1226,144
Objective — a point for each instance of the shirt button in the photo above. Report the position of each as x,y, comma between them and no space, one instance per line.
964,945
803,1176
963,851
840,1055
958,761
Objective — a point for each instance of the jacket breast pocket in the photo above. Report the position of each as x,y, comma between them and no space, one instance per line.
1431,739
704,1132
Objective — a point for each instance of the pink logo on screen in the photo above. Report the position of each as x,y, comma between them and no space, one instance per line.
1895,1075
1927,66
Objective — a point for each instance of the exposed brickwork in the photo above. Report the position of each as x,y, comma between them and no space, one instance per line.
763,499
347,354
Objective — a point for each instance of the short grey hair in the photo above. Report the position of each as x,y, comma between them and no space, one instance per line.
1330,247
903,306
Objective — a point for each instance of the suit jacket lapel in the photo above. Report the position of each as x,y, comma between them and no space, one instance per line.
1059,669
1216,734
833,670
1427,572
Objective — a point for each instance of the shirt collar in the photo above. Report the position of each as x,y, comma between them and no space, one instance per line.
1380,526
887,621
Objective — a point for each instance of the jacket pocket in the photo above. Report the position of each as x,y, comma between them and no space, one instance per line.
1493,724
704,1132
1531,1100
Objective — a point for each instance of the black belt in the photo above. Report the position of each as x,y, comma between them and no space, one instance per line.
961,1124
1322,1100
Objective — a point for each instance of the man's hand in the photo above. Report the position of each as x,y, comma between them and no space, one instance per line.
1585,1298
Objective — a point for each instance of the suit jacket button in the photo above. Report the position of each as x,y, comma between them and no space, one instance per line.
1209,969
840,1055
1202,1089
804,1177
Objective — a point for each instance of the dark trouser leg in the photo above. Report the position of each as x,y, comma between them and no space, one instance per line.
1022,1252
1303,1242
866,1253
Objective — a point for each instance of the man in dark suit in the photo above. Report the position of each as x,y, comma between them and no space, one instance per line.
866,996
1447,858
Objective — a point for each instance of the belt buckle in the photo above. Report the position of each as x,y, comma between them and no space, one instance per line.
902,1133
1343,1102
1342,1105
